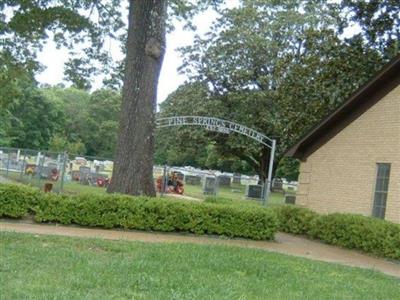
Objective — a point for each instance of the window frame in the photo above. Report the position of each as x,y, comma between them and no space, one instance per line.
381,190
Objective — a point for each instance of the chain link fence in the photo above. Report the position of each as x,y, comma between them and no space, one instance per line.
203,184
42,169
73,174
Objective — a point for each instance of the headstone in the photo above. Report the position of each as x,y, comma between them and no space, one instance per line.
290,199
84,170
193,179
84,174
210,186
236,178
3,162
45,172
75,175
93,177
52,165
13,164
224,180
84,178
254,191
277,185
179,175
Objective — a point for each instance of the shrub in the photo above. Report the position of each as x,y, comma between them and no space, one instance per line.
351,231
18,200
158,214
369,234
294,219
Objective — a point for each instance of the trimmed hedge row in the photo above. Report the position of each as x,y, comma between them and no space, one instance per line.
294,219
375,236
141,213
371,235
18,200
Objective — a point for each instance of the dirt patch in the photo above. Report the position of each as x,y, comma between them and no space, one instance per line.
285,243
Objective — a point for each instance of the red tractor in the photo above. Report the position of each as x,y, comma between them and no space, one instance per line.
173,185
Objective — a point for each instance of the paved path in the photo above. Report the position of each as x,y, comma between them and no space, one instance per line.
285,243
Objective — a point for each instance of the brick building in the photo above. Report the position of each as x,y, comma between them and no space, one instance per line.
350,162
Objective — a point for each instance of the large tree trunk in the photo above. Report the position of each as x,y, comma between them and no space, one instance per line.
133,165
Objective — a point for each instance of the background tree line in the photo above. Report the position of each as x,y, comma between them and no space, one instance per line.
59,118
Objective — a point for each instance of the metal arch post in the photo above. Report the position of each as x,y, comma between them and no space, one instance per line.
270,168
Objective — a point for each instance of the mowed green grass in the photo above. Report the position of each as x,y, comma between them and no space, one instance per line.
236,193
44,267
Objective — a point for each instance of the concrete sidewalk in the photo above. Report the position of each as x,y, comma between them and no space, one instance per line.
285,243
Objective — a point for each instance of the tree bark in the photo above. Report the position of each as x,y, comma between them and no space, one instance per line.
133,165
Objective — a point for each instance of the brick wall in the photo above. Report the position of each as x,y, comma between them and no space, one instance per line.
340,176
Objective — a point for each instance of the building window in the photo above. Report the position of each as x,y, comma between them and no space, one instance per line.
381,190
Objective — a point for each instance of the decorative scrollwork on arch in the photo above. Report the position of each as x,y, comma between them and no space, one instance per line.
216,124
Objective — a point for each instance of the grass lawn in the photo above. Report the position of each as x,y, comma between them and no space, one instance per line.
235,193
44,267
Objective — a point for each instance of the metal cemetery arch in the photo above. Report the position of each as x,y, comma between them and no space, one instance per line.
224,126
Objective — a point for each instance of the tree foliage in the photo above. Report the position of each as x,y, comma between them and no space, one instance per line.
379,21
32,119
175,146
89,121
60,119
25,26
278,67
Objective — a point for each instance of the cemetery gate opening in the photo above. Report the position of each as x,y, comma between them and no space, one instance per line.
226,127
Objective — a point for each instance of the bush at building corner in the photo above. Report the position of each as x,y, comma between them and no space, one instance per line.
369,234
375,236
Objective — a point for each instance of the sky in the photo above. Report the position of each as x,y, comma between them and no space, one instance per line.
53,59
